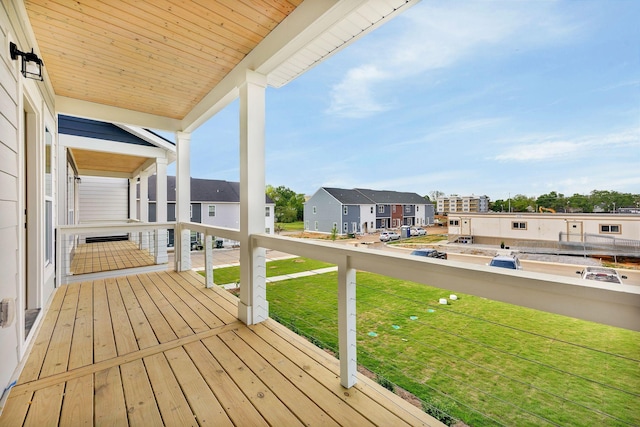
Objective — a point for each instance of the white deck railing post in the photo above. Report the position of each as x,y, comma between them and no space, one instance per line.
208,260
347,323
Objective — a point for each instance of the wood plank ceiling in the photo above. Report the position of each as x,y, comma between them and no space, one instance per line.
154,56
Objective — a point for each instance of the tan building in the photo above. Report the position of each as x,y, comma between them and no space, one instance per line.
618,231
455,203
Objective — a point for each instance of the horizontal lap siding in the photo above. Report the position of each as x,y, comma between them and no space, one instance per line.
103,199
9,207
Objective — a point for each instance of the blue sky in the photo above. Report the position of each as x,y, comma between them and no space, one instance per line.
465,97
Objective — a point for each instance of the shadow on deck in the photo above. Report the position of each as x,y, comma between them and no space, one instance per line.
161,349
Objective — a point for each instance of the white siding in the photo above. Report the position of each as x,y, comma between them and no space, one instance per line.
16,93
103,199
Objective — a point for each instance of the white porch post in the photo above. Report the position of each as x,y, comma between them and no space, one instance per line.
253,307
182,238
144,207
347,323
161,210
132,198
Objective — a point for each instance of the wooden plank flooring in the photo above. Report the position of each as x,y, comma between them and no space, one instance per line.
161,349
108,256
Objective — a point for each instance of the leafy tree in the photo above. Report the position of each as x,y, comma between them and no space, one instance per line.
435,194
289,204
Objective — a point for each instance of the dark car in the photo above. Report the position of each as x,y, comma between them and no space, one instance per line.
429,253
506,261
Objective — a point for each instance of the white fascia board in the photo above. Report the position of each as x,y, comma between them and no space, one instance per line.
106,113
147,136
104,146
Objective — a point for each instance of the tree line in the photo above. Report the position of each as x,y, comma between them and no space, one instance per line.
596,201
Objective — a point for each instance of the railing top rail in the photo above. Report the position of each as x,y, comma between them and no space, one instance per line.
612,304
114,226
209,230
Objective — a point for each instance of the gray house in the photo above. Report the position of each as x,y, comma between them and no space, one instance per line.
213,202
362,210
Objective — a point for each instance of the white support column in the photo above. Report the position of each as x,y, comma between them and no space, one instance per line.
144,208
182,237
253,307
208,260
347,323
133,212
161,210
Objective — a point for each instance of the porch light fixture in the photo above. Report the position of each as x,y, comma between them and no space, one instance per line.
31,64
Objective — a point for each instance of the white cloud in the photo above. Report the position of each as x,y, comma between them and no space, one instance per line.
561,149
432,36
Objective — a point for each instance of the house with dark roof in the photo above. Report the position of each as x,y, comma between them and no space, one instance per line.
361,210
213,202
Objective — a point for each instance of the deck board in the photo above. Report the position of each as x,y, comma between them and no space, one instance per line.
108,256
162,349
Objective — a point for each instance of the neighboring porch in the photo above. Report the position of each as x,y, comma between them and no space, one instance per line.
162,349
108,256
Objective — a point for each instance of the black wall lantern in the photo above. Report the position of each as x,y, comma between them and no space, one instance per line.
31,64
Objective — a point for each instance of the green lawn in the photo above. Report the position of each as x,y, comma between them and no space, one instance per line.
226,275
291,226
490,363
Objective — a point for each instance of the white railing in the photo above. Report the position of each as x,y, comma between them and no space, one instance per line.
80,253
609,304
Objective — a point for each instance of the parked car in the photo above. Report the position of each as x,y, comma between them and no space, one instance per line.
601,274
430,253
506,261
386,236
418,231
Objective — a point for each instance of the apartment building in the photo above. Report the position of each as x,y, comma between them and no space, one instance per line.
455,203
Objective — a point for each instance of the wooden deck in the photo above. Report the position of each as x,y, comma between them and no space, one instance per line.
161,349
108,256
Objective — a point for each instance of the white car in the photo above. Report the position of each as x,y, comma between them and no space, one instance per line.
418,231
601,274
386,236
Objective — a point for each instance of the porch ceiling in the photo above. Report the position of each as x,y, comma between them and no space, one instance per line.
109,164
171,64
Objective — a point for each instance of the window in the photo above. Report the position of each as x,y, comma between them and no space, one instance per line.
190,211
393,209
371,209
267,211
48,198
345,227
335,227
380,208
454,222
407,208
267,230
315,225
315,210
306,225
610,228
519,225
212,210
371,225
345,210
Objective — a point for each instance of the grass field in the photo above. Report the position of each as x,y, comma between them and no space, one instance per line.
487,362
291,226
281,267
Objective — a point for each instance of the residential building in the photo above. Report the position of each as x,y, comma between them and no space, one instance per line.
213,202
359,210
455,203
536,229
